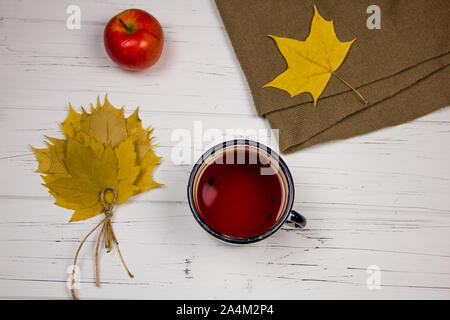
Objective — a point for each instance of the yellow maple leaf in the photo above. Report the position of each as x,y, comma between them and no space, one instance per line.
312,62
141,137
43,158
145,180
107,125
101,149
50,158
127,170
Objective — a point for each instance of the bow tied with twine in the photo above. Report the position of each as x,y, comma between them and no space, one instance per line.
108,235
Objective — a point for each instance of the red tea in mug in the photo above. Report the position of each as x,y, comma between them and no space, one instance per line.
240,192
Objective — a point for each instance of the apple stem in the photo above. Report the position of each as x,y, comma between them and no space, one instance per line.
125,25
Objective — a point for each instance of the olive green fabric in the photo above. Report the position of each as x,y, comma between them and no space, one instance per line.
390,66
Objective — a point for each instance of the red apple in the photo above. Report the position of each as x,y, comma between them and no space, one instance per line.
133,39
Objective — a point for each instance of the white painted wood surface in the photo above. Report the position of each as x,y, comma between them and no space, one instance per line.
379,199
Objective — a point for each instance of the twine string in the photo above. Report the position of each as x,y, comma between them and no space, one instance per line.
107,233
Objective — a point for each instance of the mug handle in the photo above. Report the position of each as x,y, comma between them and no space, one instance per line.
297,219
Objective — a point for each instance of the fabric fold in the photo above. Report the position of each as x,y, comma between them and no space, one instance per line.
311,121
397,109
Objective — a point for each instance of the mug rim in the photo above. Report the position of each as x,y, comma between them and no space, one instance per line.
271,154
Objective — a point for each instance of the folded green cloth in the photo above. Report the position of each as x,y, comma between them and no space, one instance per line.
390,66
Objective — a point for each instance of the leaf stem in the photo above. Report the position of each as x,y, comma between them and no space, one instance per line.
348,84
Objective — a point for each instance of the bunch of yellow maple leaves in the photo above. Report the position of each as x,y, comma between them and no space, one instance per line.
101,149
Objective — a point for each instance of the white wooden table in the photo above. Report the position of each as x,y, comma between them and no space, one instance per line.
380,199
